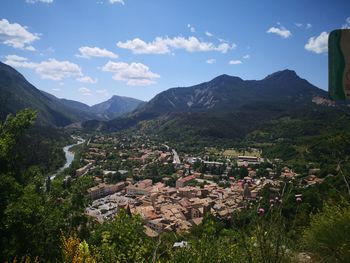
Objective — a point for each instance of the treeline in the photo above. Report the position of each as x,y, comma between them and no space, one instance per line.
320,138
43,147
254,124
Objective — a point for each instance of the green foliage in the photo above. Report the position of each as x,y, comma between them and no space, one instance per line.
32,218
243,172
268,242
207,250
76,251
156,171
41,147
10,131
208,242
22,146
329,234
264,239
123,240
31,223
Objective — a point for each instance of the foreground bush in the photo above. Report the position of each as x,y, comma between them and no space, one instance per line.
328,236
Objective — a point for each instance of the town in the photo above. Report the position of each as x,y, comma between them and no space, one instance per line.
171,191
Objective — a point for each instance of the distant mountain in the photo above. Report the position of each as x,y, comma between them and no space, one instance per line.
115,107
221,102
79,109
75,105
107,110
225,92
17,93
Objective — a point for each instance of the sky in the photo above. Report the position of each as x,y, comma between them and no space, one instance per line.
89,50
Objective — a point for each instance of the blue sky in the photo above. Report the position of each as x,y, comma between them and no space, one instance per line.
89,50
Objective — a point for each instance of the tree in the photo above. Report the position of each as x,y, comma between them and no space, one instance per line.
207,243
122,240
10,178
10,131
48,184
76,251
196,165
262,172
328,235
243,172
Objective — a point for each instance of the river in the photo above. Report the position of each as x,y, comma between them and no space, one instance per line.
69,156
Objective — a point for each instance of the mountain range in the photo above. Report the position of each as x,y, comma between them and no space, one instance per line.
225,107
227,92
17,93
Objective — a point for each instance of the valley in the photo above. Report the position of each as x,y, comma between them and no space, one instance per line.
171,193
69,156
198,168
179,131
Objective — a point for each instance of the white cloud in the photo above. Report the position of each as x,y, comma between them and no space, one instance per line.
56,89
30,48
138,46
246,56
88,52
16,36
102,92
318,44
224,47
191,28
19,62
281,31
39,1
192,44
87,79
50,69
15,57
208,34
235,62
347,24
134,74
164,45
211,61
117,2
306,26
85,91
58,70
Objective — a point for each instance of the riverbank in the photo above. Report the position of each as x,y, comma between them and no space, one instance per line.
69,155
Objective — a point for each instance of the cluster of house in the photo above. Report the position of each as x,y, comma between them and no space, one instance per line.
309,180
83,170
247,160
105,208
95,153
104,189
91,155
242,160
323,101
164,208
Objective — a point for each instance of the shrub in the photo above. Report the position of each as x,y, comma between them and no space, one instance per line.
328,236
